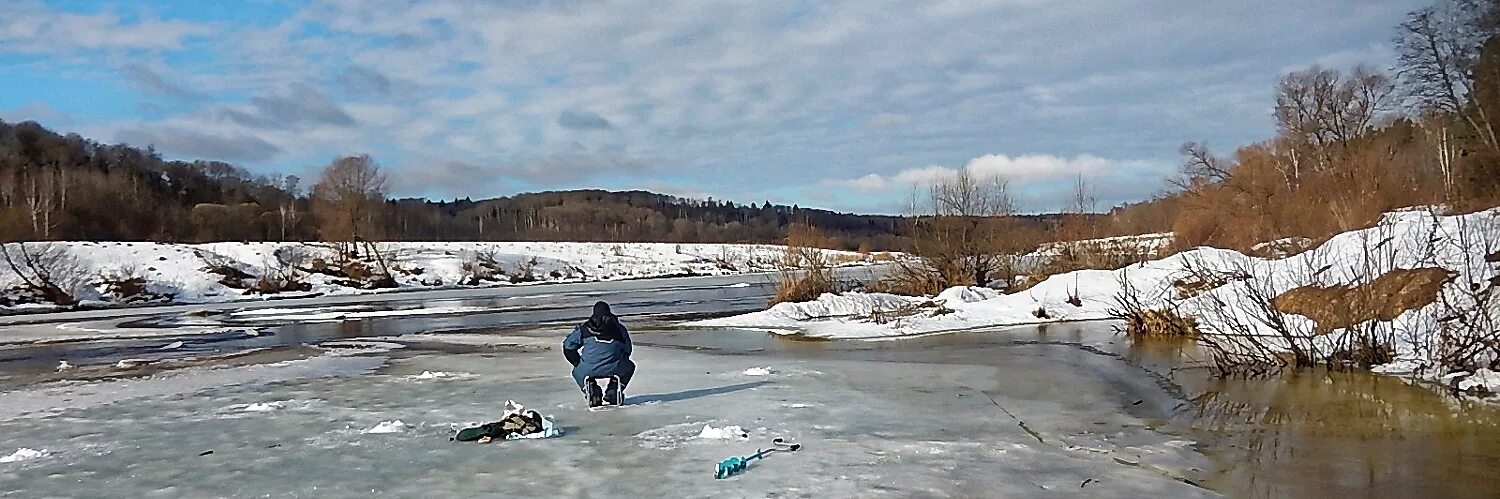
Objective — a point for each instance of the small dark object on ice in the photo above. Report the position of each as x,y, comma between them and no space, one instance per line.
1085,483
1138,402
522,423
205,453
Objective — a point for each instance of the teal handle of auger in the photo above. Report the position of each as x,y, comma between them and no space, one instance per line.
732,466
736,465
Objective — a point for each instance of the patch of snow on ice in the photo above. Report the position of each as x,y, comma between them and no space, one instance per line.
725,433
758,371
172,346
263,406
439,375
388,427
23,454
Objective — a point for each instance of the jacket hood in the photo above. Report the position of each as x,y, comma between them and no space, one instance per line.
603,324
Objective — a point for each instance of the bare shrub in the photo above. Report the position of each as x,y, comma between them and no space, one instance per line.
127,284
895,316
47,269
728,258
1148,314
525,270
480,266
1250,337
805,271
1469,322
283,271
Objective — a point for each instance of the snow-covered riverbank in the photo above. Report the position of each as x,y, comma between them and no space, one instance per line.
119,273
1420,289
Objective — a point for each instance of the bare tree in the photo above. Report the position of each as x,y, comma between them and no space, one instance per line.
1439,48
1200,165
1326,110
347,200
959,231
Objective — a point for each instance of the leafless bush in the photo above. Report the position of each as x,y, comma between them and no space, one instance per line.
895,316
729,258
1250,336
226,268
1469,322
480,266
282,271
804,272
126,284
525,270
45,268
1351,320
1148,313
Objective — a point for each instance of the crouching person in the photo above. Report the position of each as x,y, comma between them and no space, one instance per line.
600,349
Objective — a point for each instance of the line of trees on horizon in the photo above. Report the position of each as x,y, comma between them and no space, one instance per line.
56,187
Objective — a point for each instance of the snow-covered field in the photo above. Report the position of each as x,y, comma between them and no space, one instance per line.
180,273
1219,288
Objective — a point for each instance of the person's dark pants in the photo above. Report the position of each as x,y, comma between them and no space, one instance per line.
625,371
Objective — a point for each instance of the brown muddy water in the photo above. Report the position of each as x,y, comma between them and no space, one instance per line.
1304,434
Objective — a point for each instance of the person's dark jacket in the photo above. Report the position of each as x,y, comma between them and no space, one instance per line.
599,346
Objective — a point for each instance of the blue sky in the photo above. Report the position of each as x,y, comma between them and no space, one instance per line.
834,104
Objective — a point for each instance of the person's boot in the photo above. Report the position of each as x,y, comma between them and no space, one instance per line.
596,396
615,395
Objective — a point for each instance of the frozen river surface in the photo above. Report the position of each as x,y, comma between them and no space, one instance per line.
300,428
359,399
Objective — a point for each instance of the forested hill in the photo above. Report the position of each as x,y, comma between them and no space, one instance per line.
66,187
596,215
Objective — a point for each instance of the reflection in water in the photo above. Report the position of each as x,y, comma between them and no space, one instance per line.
1318,433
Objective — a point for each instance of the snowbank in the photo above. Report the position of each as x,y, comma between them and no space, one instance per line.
1229,294
180,273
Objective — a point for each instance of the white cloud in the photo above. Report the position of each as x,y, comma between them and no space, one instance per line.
30,27
1019,171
